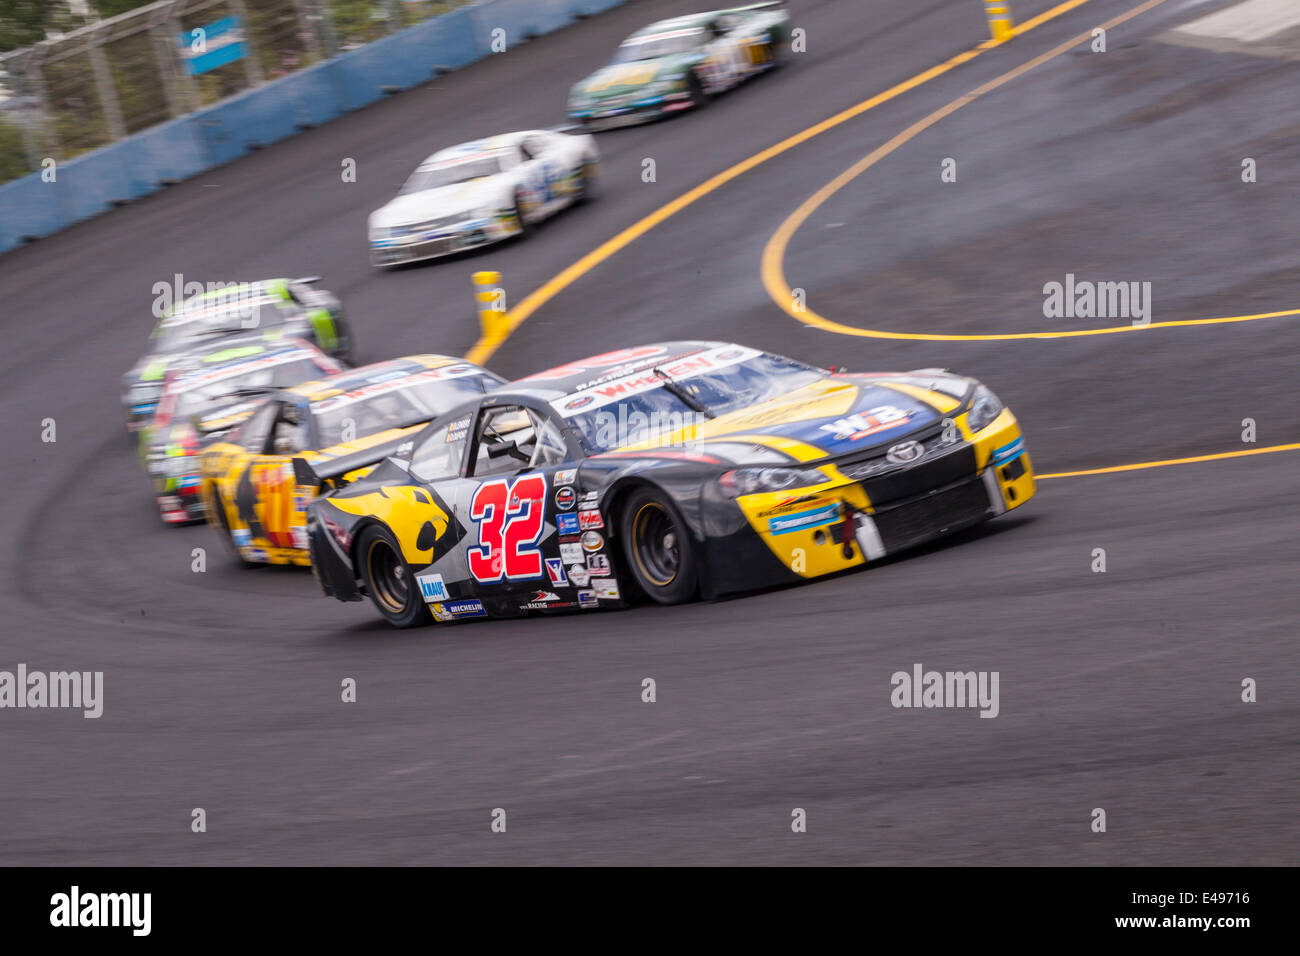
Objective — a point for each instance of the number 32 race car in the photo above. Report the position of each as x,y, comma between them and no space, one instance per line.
664,472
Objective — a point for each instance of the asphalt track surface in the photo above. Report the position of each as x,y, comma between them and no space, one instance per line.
1118,690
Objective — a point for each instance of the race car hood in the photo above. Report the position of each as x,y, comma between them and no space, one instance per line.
620,79
836,416
467,197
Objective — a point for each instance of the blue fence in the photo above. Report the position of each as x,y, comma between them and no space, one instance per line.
138,165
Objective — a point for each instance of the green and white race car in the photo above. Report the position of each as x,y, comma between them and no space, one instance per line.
676,64
277,308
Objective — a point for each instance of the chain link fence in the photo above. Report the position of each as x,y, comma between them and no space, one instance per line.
88,88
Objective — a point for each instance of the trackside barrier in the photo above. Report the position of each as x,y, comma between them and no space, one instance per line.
136,166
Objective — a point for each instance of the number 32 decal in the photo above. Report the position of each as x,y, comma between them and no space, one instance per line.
510,516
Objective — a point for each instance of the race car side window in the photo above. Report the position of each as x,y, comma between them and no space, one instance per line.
505,441
551,447
255,431
438,452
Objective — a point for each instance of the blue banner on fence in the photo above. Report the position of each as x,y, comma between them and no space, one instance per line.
219,43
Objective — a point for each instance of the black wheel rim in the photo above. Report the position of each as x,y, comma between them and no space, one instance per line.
389,581
656,544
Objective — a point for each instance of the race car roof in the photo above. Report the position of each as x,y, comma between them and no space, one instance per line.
696,20
477,147
376,374
576,376
217,350
234,360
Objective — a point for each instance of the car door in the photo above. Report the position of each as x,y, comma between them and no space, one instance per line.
543,174
512,551
265,494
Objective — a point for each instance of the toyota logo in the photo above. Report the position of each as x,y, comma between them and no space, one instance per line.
904,452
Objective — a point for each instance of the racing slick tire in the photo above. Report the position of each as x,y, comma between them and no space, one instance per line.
219,506
588,180
779,50
657,548
525,227
388,579
695,86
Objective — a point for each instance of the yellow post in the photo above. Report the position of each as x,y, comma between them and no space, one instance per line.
1000,22
491,299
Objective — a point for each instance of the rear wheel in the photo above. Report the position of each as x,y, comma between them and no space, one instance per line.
219,506
658,548
388,579
779,50
588,180
695,86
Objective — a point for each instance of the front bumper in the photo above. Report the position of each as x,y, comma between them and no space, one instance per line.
416,247
646,110
873,510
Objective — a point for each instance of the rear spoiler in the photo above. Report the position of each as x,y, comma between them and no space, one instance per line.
765,5
330,473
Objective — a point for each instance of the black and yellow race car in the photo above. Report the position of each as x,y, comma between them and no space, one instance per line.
344,424
665,472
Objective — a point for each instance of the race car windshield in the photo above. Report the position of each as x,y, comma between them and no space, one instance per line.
341,419
651,48
463,172
203,397
658,416
747,383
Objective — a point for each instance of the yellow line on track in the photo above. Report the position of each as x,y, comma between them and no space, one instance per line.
772,268
1113,469
486,347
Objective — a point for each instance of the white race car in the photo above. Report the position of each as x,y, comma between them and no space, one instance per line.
482,192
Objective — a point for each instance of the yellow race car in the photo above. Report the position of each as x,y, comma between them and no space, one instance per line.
343,425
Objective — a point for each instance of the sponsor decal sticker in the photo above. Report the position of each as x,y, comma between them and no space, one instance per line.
579,575
590,519
606,588
588,599
567,524
592,541
432,587
569,553
470,607
566,476
565,498
598,564
803,520
1009,451
795,501
861,424
555,571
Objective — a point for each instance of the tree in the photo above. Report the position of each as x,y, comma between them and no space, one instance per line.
111,8
24,22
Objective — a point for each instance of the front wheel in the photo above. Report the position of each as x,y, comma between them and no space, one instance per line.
388,579
658,548
588,180
699,96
